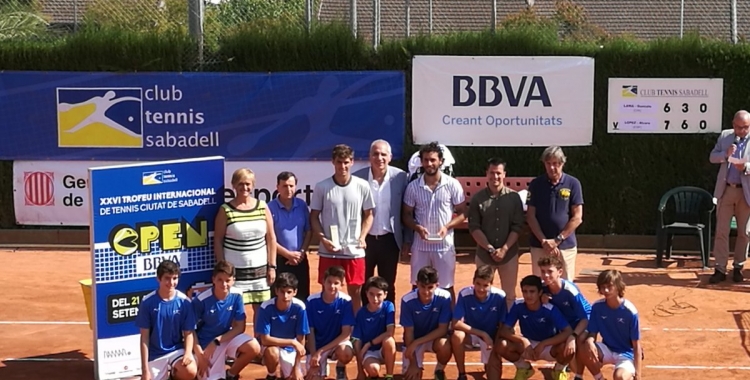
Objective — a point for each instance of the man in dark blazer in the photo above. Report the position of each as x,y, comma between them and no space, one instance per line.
732,190
388,238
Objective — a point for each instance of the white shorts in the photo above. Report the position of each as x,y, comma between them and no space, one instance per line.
376,355
443,262
619,360
161,366
419,353
217,362
484,352
326,356
546,355
286,360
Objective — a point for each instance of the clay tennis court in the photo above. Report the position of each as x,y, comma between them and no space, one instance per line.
690,330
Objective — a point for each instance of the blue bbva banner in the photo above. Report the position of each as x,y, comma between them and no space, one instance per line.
160,116
142,215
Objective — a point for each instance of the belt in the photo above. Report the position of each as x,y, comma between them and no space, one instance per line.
735,185
378,237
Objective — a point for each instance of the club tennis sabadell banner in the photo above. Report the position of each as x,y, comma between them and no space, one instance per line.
142,215
73,116
503,101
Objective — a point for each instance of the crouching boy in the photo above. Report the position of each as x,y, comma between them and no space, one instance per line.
373,331
480,311
282,326
544,332
220,314
167,323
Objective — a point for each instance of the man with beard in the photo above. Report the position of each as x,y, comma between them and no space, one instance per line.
387,237
429,203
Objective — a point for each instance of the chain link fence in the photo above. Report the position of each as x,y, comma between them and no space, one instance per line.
377,20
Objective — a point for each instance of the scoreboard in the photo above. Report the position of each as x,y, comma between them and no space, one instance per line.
671,105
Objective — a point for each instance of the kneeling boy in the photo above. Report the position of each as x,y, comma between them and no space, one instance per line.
544,332
480,311
425,314
373,331
331,319
567,298
167,323
616,319
282,326
220,314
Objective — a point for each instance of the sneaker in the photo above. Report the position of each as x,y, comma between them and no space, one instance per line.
717,277
439,374
231,377
523,374
462,377
341,373
559,375
270,377
737,275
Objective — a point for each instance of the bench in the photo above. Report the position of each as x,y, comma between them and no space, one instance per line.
472,185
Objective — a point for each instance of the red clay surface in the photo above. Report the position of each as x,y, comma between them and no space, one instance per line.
691,330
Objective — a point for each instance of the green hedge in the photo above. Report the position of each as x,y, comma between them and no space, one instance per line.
623,176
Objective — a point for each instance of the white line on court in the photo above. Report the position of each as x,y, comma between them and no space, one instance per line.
470,364
666,329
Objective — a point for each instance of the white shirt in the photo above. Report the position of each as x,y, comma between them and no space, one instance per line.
381,194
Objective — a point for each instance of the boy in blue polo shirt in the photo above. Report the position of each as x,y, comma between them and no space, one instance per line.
480,311
567,298
282,326
425,314
544,331
373,331
616,320
220,313
331,319
167,323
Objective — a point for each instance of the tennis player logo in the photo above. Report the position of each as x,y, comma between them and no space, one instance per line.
100,118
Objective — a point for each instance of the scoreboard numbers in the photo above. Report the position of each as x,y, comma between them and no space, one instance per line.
670,105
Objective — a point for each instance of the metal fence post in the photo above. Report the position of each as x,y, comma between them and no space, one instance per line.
353,17
375,24
308,15
734,21
430,10
407,27
195,26
494,16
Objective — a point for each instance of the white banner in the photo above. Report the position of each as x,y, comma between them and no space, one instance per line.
673,105
503,101
50,193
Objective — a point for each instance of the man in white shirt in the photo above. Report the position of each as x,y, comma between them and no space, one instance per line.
387,237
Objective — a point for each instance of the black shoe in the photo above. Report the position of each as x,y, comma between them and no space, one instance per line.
462,377
229,376
270,377
717,277
737,275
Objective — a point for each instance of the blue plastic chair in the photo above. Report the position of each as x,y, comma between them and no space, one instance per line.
691,215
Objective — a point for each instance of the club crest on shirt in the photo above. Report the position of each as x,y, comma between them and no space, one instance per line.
564,193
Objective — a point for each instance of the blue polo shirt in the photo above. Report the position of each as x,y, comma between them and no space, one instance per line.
290,225
553,203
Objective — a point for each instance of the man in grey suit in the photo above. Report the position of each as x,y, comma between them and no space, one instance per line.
387,238
733,194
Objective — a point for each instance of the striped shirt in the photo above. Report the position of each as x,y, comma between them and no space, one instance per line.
434,209
245,247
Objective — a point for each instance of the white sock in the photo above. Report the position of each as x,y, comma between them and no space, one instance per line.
559,367
522,364
439,366
599,376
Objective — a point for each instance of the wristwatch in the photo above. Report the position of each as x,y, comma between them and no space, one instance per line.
270,266
217,343
491,249
559,239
